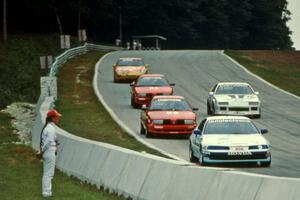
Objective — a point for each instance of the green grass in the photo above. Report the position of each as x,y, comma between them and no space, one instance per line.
279,68
83,114
21,173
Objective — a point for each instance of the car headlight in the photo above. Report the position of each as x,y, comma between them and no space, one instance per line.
189,121
142,70
158,121
223,103
253,103
141,94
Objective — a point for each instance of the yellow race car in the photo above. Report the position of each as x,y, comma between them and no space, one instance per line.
129,69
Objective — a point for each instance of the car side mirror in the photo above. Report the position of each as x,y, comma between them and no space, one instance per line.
264,131
172,84
144,107
132,84
257,93
210,93
197,132
195,109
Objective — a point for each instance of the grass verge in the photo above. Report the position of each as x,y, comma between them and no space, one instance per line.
21,173
83,114
281,68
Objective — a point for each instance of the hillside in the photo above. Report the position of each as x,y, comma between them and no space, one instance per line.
20,66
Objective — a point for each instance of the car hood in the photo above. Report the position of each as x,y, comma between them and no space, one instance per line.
130,69
234,140
233,97
171,115
154,89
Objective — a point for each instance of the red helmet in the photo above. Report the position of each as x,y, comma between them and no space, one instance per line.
53,113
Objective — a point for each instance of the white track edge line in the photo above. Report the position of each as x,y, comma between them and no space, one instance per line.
118,120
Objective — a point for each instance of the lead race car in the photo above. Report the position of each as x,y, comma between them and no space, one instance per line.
129,69
229,139
233,98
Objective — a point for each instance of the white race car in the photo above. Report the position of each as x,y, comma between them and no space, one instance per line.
233,98
229,139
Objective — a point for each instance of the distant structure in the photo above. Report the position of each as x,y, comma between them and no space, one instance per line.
144,40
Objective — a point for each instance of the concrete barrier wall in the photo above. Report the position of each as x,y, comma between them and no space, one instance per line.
144,176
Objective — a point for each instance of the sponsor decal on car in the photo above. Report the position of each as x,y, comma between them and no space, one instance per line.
228,120
172,113
239,153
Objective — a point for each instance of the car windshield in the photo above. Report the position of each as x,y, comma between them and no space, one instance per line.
230,126
135,62
234,89
169,104
152,81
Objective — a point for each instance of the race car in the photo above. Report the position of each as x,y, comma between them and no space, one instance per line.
129,69
147,86
168,115
229,139
233,98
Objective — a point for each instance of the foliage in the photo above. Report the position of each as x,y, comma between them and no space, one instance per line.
20,66
211,24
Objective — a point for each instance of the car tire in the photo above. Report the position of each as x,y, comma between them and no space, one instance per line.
212,109
147,134
201,159
208,109
133,104
142,131
115,79
193,159
266,164
259,115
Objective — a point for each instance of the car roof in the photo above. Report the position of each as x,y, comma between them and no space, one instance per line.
233,83
152,75
130,58
168,97
227,117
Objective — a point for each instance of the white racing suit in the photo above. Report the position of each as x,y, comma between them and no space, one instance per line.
49,151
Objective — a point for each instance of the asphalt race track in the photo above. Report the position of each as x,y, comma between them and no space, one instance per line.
194,73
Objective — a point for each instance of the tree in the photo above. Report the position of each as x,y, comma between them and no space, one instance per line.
268,28
4,21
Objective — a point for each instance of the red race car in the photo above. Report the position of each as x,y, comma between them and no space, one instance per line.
168,115
147,86
129,69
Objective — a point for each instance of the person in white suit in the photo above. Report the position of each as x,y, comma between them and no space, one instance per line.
48,148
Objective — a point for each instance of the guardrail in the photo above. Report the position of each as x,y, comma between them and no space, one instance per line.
144,176
61,59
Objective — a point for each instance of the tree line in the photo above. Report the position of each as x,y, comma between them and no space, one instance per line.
193,24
